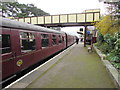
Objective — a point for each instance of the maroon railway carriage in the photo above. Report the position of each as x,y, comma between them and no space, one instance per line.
70,39
25,44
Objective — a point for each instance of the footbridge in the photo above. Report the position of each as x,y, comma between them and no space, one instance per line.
64,20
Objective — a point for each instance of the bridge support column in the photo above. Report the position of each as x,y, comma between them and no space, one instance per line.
85,31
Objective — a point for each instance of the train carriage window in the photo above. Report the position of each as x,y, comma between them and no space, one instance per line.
60,39
6,45
27,41
44,40
53,39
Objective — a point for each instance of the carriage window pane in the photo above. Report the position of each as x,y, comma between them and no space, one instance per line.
60,39
44,36
27,41
23,35
53,40
5,40
44,40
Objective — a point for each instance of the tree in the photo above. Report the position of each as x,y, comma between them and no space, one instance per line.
15,9
114,8
107,25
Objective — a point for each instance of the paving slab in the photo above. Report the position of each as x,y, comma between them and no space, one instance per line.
75,69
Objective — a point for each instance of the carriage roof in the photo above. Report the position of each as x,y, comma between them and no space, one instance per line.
25,26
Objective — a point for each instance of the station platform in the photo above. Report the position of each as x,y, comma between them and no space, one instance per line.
73,68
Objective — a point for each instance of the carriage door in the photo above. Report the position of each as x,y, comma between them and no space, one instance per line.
18,62
7,53
23,47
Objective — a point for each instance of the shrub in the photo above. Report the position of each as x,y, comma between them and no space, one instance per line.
116,65
100,38
117,46
110,40
104,47
113,58
110,45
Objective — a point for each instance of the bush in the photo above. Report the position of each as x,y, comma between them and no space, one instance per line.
110,40
113,57
110,45
117,46
104,47
100,38
116,65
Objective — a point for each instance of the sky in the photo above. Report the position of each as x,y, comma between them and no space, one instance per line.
65,7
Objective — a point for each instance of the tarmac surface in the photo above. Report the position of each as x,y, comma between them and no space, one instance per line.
77,68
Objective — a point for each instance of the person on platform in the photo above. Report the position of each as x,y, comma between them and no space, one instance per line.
81,39
77,40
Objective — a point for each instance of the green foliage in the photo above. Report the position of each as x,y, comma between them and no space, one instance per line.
110,40
104,43
20,10
100,38
110,45
116,65
104,47
113,57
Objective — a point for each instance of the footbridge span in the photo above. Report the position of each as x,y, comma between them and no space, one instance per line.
64,20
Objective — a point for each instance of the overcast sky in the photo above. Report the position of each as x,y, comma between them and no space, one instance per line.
65,7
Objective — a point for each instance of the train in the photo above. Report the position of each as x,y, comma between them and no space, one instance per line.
24,45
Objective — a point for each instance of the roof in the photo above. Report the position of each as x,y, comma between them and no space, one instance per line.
25,26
